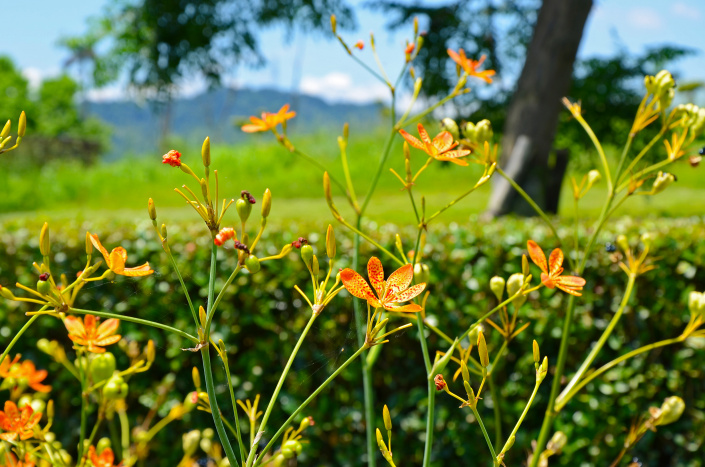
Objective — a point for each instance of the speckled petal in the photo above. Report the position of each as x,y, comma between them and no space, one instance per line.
537,255
399,280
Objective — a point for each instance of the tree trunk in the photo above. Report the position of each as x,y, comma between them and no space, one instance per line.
532,117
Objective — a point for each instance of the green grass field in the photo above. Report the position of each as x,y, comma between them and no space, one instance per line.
119,190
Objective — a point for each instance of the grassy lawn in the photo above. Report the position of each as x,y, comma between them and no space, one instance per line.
119,190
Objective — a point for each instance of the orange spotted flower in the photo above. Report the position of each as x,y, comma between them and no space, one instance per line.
394,290
471,66
117,258
26,372
440,148
269,120
551,272
88,334
18,423
105,459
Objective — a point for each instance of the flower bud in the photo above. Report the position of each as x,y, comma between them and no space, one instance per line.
646,239
694,301
190,441
663,179
196,376
22,126
557,441
266,203
6,294
291,449
449,125
483,131
314,266
497,286
525,267
469,391
671,410
333,24
543,370
50,409
469,132
593,177
330,242
380,441
514,285
44,243
537,355
190,401
151,209
163,231
202,316
482,350
206,152
622,242
5,130
305,423
252,264
387,418
464,371
243,209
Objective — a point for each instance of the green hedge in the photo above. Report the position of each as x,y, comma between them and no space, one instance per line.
261,316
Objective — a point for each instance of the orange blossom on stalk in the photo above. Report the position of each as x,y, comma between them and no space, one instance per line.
471,66
117,258
551,272
18,423
440,148
394,290
87,334
25,370
269,120
105,459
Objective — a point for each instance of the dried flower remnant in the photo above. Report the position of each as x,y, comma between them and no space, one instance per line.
440,382
552,278
440,148
394,290
90,335
173,158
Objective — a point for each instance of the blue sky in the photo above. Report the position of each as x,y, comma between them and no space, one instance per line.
34,26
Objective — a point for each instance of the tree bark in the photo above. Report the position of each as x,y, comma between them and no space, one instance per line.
533,112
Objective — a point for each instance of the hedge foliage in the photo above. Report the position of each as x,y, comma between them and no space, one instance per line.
261,316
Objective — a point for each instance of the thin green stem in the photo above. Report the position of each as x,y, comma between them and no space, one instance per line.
531,202
385,154
560,402
452,203
430,417
131,319
124,432
484,432
402,123
346,172
84,405
619,360
507,445
322,168
183,285
305,403
600,151
496,409
645,171
641,154
622,159
238,434
369,239
221,293
282,378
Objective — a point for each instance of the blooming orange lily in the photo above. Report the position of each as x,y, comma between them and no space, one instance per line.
25,371
551,272
440,148
87,334
105,459
117,258
269,120
471,66
18,423
11,460
394,290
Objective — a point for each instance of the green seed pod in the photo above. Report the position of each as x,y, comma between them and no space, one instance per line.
289,449
387,418
43,286
557,442
514,284
115,388
206,445
103,443
243,209
422,273
24,400
497,286
330,242
102,367
449,125
671,410
252,264
622,242
163,231
189,441
663,179
307,255
190,401
694,300
469,132
593,177
483,131
646,239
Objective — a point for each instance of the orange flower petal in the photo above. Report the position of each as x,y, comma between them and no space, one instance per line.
117,260
357,286
410,308
443,141
424,136
555,262
412,140
408,294
102,342
8,436
375,272
107,327
399,280
454,156
537,255
96,243
138,271
74,326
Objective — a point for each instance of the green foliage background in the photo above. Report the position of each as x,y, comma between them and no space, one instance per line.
261,317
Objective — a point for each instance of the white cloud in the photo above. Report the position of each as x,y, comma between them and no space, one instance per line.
35,76
684,10
340,87
646,18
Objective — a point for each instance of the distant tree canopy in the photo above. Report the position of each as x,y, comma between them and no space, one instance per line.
55,127
159,42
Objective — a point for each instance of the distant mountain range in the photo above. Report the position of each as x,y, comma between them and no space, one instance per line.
136,128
